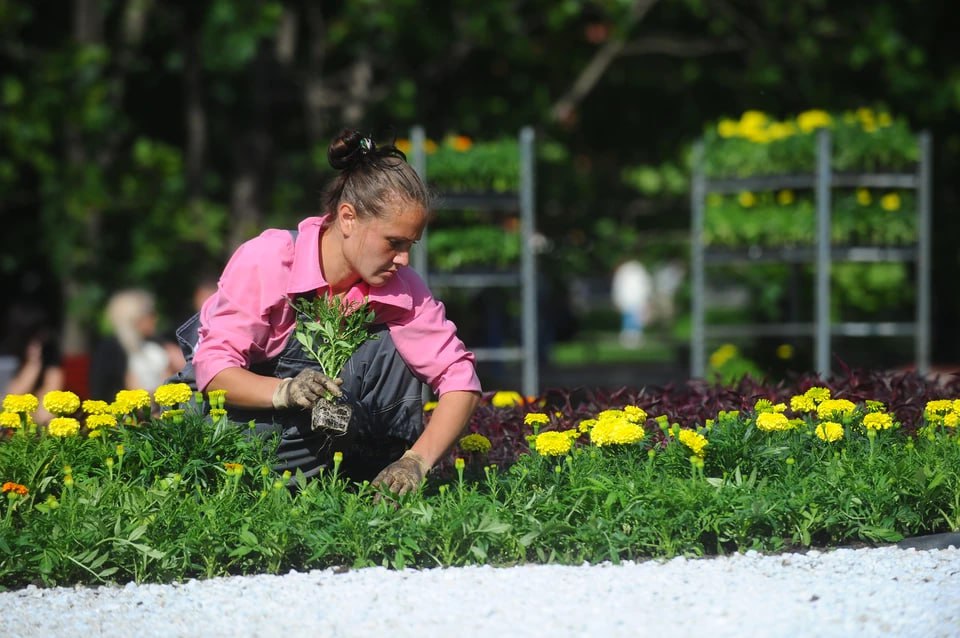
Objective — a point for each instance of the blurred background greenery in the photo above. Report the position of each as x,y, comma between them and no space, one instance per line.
142,141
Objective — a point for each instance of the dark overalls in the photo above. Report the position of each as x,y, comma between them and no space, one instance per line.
384,394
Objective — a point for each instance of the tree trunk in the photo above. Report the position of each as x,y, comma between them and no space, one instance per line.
253,156
87,30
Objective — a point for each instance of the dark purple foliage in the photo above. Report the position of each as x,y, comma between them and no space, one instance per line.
905,393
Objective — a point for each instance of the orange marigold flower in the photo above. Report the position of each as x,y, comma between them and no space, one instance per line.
16,488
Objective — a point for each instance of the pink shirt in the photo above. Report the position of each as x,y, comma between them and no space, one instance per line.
249,319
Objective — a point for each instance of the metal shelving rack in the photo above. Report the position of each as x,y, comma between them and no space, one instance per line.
822,254
525,277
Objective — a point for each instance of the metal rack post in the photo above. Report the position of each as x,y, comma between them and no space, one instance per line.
523,200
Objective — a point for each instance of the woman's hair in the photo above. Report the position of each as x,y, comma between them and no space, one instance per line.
371,176
124,310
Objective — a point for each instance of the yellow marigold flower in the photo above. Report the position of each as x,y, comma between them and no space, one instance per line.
723,354
10,420
15,488
833,407
863,197
809,121
120,408
61,402
878,421
532,418
802,403
459,464
552,444
615,427
172,394
23,403
817,394
785,197
747,199
506,399
780,131
404,145
586,425
635,414
137,399
217,413
890,202
728,128
475,443
63,426
95,421
91,406
950,419
753,119
429,406
625,433
780,407
772,422
937,407
695,441
785,351
829,431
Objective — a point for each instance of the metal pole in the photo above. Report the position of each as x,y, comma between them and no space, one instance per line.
419,162
924,191
528,264
822,338
697,336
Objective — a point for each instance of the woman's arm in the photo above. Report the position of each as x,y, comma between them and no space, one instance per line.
245,389
447,423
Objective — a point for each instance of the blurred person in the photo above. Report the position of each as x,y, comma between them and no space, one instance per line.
30,354
631,291
243,340
129,358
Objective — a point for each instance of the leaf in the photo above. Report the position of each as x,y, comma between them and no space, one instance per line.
248,537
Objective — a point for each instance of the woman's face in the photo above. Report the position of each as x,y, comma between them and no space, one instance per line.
376,247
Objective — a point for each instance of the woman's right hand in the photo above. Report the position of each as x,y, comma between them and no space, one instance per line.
304,389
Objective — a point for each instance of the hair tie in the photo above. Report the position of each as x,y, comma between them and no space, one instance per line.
367,145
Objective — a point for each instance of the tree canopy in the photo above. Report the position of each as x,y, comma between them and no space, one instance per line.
140,141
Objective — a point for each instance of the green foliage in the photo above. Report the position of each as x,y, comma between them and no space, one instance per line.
756,144
331,329
486,246
119,507
459,164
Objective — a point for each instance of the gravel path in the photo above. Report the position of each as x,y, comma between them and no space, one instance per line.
846,592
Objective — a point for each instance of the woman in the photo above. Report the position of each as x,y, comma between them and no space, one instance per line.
375,210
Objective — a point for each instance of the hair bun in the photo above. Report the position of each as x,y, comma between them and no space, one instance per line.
345,150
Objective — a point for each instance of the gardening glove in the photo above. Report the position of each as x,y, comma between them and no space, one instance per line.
302,390
403,475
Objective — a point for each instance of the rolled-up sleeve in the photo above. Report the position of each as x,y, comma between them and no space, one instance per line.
429,344
239,323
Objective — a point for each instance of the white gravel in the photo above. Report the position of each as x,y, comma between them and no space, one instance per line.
865,592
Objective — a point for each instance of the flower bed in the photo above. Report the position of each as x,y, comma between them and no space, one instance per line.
569,477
